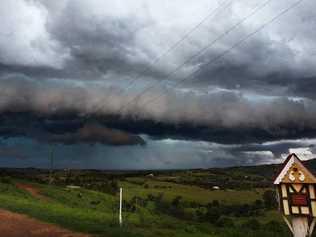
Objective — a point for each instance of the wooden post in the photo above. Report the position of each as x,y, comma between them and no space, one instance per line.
288,223
300,226
295,188
120,212
51,165
311,227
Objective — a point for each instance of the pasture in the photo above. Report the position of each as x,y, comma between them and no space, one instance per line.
153,206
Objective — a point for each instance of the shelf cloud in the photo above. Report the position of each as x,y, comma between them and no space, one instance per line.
75,73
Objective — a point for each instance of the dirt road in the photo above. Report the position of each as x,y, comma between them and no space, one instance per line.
17,225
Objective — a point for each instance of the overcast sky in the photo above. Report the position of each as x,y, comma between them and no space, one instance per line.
147,84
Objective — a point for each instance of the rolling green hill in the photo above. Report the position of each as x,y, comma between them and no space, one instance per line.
214,202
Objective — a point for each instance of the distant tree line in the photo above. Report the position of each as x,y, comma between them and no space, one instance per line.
213,212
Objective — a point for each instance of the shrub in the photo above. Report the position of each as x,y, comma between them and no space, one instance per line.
176,201
215,203
258,204
274,226
269,199
190,229
252,224
212,215
6,180
225,222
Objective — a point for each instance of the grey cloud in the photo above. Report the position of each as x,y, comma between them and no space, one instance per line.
99,43
76,58
12,153
25,40
102,38
62,130
94,133
216,112
276,148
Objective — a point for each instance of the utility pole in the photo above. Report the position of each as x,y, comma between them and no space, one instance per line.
51,165
120,211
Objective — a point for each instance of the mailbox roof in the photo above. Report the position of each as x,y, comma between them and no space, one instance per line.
293,161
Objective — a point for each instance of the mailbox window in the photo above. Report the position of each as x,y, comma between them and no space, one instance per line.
299,200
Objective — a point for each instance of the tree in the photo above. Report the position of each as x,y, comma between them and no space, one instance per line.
274,226
225,222
212,214
269,199
258,204
252,224
176,201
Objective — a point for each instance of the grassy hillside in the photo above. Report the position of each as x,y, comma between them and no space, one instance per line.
167,203
143,187
95,212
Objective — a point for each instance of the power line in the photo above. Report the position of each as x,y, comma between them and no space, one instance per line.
181,40
233,46
200,52
185,36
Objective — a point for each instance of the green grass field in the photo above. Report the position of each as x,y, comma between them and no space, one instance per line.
188,192
96,213
163,204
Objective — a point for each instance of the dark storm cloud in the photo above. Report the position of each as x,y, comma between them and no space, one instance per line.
97,40
65,67
99,36
267,67
63,130
304,87
224,116
93,133
12,153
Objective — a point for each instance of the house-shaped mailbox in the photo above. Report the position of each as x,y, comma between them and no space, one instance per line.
296,187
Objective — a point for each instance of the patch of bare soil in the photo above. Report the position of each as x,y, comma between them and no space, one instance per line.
18,225
34,191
